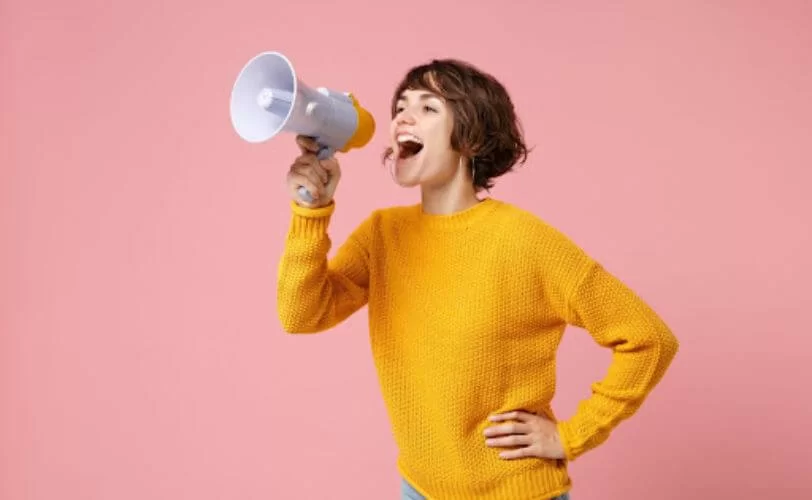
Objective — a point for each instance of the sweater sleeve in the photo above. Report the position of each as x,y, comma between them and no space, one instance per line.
642,345
315,293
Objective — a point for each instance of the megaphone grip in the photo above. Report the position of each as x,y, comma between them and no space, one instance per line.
304,194
324,153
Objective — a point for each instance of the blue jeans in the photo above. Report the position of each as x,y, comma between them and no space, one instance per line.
409,493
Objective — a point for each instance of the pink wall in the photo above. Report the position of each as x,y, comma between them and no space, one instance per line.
141,353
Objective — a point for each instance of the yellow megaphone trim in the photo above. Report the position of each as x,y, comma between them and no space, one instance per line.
365,129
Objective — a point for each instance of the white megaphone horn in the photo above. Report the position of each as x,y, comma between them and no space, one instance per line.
268,98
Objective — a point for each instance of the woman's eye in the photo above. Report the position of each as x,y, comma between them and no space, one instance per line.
426,109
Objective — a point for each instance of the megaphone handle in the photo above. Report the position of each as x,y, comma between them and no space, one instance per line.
304,194
324,153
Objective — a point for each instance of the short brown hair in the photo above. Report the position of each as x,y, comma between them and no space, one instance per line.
486,128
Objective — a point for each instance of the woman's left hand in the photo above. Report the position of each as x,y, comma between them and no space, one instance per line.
527,434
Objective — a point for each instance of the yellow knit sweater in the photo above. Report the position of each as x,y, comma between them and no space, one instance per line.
466,312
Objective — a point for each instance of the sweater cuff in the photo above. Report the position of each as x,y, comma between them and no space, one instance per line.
568,440
308,222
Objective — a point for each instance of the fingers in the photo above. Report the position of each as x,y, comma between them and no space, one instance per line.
520,432
510,441
507,429
509,435
517,453
519,415
298,180
308,162
311,175
319,177
307,144
518,436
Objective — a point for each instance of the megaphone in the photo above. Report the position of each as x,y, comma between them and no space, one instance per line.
269,98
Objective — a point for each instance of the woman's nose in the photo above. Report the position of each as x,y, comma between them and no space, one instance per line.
405,117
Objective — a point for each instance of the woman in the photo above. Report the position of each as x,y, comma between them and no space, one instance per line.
467,298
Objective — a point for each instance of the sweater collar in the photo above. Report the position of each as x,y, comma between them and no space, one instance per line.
460,220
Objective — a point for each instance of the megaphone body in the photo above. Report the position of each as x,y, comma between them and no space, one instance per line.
269,98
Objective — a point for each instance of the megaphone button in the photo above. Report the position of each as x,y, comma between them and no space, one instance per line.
312,109
265,98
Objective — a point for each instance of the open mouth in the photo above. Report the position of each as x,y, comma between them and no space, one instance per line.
409,145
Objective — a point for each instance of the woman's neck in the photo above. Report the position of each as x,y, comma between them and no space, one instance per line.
454,196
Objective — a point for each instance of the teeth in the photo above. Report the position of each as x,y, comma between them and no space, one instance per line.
409,138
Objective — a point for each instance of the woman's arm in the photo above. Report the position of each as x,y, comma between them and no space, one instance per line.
643,348
313,293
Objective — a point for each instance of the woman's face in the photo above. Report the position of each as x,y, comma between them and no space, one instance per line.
420,133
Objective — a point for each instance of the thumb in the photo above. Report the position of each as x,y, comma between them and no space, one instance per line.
330,165
307,144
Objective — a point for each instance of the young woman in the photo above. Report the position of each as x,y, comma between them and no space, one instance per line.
467,297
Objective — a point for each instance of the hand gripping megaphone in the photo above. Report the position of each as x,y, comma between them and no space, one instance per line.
268,98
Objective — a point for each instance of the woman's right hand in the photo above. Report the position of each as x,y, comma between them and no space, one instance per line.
319,177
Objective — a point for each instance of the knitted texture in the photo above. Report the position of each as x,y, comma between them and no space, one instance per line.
466,312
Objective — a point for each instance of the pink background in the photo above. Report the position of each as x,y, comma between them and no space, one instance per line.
141,352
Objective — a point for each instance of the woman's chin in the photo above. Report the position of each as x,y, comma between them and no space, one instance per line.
407,182
407,172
